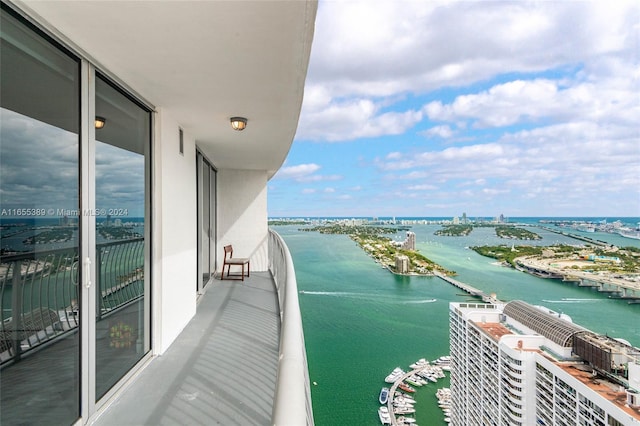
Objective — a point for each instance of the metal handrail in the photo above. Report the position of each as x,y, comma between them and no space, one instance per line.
292,402
39,292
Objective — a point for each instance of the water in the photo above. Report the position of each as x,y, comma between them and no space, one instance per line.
361,321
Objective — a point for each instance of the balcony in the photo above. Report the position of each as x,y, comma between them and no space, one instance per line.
240,360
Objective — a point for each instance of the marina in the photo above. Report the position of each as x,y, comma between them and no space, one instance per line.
397,405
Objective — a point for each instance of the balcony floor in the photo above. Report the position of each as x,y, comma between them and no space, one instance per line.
220,370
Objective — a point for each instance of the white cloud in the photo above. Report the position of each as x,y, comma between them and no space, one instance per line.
352,119
531,101
367,52
530,105
297,172
444,132
423,187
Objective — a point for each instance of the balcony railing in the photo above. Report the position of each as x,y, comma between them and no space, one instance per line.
39,293
292,403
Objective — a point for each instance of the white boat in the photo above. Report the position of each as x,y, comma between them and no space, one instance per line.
407,410
384,395
413,380
421,363
404,400
396,374
383,414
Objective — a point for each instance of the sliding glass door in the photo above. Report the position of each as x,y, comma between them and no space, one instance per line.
75,247
121,243
39,227
206,220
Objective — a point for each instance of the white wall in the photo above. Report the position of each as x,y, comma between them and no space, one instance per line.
242,215
174,239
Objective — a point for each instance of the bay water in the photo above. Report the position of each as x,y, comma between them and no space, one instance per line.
361,321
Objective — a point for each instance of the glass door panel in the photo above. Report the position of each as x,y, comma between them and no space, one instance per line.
39,202
206,230
206,220
212,220
122,335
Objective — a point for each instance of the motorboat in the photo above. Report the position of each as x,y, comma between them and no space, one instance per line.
404,400
395,375
421,363
413,380
384,395
405,387
404,410
383,414
404,396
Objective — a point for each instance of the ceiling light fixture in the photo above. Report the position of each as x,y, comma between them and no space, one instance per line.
238,123
100,122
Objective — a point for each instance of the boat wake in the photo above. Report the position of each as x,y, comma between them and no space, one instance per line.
418,301
572,300
367,296
334,293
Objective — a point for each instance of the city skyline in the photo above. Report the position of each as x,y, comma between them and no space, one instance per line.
433,109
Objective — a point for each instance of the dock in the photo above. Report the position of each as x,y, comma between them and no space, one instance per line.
392,392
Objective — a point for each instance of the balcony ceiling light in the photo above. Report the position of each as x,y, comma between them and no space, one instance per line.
100,122
238,123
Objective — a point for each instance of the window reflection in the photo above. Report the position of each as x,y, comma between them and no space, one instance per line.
39,184
121,155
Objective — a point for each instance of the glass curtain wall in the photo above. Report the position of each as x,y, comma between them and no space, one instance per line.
39,227
206,220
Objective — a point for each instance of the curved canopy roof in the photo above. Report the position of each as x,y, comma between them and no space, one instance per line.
556,329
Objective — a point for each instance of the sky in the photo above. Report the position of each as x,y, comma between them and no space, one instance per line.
439,108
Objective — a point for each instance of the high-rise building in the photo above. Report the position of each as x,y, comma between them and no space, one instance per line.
517,364
409,242
402,264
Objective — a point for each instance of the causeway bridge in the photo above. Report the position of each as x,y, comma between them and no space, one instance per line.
488,298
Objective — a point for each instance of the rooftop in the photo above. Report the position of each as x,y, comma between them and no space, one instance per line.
494,329
606,389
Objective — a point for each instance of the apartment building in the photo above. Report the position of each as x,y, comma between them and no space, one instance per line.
518,364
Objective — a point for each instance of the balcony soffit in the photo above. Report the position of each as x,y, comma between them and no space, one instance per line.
204,62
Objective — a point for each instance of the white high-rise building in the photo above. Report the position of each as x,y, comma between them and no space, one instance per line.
518,364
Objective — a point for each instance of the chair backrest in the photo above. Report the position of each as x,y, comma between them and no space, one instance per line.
228,251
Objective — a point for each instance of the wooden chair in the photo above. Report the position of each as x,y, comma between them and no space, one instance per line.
230,261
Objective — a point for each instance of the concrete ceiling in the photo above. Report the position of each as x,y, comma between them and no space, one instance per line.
204,62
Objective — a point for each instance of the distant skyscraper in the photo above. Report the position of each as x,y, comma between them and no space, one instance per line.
464,219
517,364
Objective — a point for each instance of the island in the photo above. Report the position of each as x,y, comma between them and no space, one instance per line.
611,269
388,253
455,230
502,231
